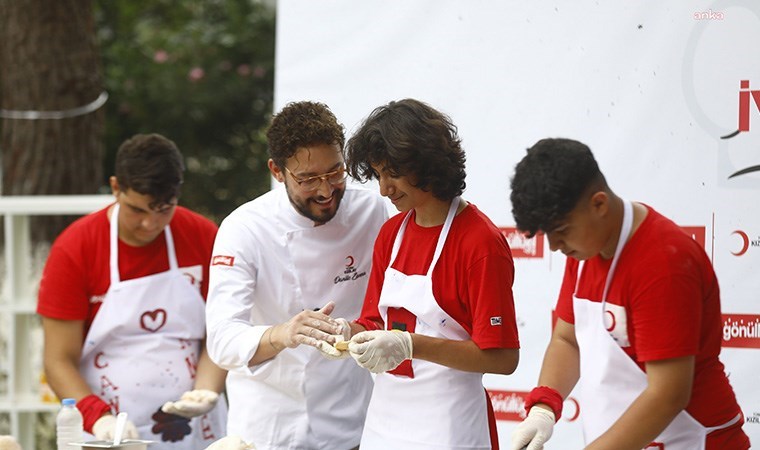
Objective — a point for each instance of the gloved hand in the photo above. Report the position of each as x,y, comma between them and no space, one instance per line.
534,431
192,403
380,350
171,427
327,348
230,443
103,428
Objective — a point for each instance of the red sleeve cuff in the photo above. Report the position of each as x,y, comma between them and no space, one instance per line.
92,409
369,325
547,396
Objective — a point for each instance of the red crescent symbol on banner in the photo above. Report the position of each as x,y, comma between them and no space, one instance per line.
612,316
745,242
350,260
97,362
573,417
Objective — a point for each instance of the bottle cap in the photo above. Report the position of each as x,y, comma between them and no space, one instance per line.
69,401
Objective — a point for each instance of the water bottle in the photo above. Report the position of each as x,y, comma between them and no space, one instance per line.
68,425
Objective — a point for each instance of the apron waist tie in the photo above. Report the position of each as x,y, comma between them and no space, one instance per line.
731,422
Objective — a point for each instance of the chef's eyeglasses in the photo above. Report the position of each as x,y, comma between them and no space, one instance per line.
335,178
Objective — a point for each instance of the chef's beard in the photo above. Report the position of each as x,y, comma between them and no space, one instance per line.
307,207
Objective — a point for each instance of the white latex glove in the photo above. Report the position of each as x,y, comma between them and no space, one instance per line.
380,350
534,431
103,429
192,403
328,350
230,443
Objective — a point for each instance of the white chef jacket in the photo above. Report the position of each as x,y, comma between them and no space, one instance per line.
269,264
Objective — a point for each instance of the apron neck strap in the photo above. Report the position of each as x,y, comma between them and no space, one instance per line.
441,238
625,231
399,238
444,233
114,243
172,254
114,246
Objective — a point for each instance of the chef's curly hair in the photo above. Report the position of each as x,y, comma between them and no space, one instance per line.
302,124
150,164
412,139
550,180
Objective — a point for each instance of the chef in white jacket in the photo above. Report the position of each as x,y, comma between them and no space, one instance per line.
289,268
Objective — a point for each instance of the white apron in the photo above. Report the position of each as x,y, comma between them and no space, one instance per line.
439,408
143,347
610,381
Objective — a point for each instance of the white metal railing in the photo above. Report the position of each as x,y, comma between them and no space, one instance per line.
17,304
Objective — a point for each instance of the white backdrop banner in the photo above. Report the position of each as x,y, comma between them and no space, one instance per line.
666,93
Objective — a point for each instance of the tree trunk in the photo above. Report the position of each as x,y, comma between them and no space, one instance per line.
49,62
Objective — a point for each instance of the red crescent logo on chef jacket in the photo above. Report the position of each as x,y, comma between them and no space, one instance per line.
153,320
350,260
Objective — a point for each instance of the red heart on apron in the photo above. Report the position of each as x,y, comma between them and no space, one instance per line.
153,320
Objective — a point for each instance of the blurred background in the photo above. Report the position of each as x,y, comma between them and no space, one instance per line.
198,72
78,77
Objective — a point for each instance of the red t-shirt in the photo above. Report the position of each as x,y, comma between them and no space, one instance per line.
472,280
668,289
76,275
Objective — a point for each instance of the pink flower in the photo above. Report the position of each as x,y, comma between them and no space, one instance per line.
196,73
244,70
160,56
259,72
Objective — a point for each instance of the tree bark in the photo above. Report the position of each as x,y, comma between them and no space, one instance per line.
49,61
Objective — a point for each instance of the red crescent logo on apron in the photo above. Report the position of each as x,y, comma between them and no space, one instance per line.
613,322
573,417
153,320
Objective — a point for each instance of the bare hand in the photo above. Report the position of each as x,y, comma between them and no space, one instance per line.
307,327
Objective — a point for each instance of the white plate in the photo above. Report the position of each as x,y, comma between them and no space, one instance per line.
132,444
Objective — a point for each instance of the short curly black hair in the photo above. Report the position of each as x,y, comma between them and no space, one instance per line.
302,124
549,181
411,139
150,164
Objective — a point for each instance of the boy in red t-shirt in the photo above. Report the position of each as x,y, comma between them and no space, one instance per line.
122,301
639,315
438,312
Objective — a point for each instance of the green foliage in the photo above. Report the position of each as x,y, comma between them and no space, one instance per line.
199,72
